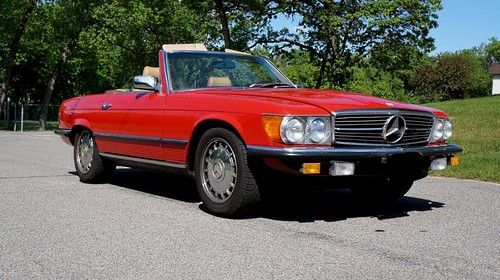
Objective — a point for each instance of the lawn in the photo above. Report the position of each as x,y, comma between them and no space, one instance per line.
476,127
28,125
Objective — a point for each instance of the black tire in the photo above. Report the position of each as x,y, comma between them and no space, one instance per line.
99,169
382,190
224,180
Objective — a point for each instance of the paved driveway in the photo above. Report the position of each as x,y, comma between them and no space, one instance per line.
147,225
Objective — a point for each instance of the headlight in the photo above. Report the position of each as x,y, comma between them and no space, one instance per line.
437,134
298,129
447,130
317,130
293,130
441,131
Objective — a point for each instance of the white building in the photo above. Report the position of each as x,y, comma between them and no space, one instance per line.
495,73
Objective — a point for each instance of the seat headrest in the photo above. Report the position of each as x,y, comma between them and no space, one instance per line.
219,82
151,71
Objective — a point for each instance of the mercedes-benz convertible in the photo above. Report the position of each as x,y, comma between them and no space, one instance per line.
232,120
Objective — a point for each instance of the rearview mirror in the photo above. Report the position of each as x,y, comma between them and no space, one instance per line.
145,82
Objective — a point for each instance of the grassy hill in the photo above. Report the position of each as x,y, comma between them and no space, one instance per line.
476,127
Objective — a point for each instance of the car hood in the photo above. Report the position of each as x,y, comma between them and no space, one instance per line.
329,100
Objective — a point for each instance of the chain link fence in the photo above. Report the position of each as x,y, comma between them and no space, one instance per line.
25,117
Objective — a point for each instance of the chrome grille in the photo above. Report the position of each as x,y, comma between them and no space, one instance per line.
365,127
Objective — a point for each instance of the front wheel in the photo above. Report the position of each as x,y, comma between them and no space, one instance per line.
382,190
224,181
89,165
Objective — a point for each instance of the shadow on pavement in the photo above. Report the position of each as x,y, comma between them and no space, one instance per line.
339,204
176,187
295,204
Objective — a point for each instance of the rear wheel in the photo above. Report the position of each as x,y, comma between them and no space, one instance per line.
382,190
89,165
224,181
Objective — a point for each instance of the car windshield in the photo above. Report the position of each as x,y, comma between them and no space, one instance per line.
191,70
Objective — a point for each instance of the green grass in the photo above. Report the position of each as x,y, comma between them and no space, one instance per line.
27,125
476,127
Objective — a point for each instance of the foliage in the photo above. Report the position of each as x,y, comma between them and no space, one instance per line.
127,37
297,66
379,83
232,24
489,51
339,34
452,76
378,47
492,50
114,40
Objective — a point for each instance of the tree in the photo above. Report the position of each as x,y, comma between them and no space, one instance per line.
492,51
339,34
24,15
75,17
296,66
127,36
239,22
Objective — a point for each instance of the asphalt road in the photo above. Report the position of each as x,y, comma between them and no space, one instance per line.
148,225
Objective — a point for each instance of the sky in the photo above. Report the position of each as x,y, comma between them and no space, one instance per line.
463,24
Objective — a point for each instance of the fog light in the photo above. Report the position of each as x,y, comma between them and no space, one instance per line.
340,168
311,168
439,164
454,161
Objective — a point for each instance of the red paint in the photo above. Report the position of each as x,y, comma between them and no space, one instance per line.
175,115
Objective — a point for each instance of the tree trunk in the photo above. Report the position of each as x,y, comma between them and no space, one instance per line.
321,74
52,82
322,69
223,20
13,48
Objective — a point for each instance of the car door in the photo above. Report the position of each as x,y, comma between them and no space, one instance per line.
132,124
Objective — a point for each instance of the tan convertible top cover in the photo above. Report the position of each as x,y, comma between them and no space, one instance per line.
184,47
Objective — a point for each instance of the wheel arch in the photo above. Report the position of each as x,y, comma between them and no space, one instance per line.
77,127
204,126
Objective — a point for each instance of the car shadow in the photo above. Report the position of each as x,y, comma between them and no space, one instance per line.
295,204
332,205
176,187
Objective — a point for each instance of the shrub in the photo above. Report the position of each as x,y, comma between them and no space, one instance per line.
377,82
451,76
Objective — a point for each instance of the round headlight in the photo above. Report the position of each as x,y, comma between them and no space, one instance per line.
317,130
447,130
293,130
438,132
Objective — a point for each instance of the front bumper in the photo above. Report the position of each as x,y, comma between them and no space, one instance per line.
413,162
65,135
62,132
350,153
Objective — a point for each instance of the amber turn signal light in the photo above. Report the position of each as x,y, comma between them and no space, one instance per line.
272,126
311,168
454,160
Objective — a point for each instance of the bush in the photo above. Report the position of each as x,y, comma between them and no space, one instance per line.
451,76
377,82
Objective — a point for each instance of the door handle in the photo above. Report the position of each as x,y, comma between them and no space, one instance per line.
106,106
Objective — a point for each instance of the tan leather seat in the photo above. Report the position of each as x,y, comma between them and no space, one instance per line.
151,71
219,82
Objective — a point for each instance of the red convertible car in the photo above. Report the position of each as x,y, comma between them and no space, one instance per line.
231,119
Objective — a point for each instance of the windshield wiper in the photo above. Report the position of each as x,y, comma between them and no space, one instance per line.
272,85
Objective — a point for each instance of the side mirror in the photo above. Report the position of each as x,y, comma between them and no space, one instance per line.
145,82
299,85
